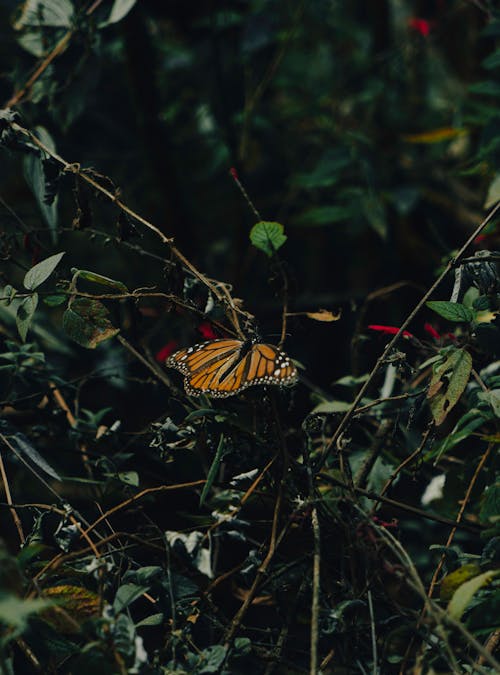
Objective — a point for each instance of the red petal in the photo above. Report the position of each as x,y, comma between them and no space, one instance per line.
432,331
420,26
207,331
391,330
165,351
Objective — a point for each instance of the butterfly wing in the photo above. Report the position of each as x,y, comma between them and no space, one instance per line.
219,369
202,364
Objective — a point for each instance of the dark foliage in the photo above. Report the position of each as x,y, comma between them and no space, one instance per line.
322,176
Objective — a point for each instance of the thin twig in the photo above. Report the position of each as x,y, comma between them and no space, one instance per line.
398,505
373,633
407,461
15,517
463,506
347,417
238,617
140,495
157,372
45,63
169,241
313,664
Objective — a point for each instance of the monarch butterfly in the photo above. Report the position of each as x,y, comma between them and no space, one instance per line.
225,367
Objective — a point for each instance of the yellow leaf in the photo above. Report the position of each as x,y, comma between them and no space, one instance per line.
456,578
74,606
435,135
486,316
324,315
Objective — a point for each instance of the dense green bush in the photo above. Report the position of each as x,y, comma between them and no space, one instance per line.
316,175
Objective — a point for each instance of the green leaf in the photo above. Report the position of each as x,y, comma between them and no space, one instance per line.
211,659
124,636
118,12
490,507
493,398
42,271
126,595
33,41
242,646
35,177
268,236
332,407
374,211
55,300
9,293
153,620
489,88
100,279
24,447
15,612
464,593
493,193
324,215
55,13
86,322
212,472
129,478
464,428
453,311
448,383
492,61
482,303
25,313
452,581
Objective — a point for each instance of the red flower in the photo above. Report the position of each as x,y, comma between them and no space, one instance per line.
207,331
233,173
390,330
432,331
480,238
420,26
165,351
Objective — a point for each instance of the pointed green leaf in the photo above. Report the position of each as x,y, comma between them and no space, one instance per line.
492,61
126,594
56,13
490,506
55,300
448,382
152,620
221,450
119,11
493,193
464,593
102,280
87,322
25,313
36,179
42,271
268,236
453,311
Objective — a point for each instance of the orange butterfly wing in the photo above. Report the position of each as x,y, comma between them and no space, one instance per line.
218,369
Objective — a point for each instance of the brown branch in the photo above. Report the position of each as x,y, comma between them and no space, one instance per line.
398,505
45,63
407,461
452,263
15,517
140,495
169,241
463,506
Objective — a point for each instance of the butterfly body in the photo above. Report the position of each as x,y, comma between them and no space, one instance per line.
224,367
